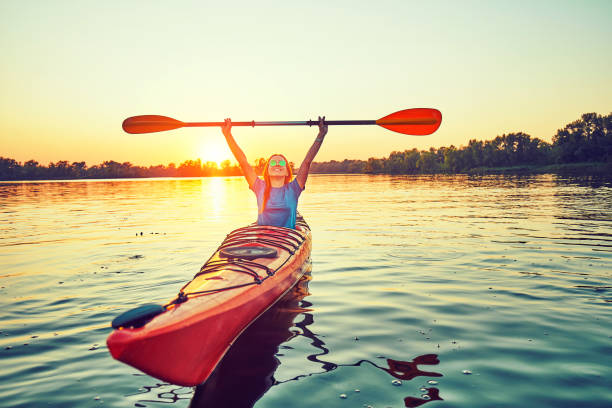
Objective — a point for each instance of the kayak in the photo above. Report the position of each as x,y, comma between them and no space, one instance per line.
182,341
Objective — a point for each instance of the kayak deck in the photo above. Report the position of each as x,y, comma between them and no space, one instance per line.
217,274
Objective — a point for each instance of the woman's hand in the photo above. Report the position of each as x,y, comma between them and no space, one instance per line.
322,129
227,128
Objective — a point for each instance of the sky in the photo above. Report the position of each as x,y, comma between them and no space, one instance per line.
72,71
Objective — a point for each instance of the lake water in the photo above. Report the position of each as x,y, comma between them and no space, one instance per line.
449,291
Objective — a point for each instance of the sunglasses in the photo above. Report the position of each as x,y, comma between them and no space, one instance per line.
279,162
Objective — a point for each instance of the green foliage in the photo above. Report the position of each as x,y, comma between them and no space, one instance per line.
345,166
506,150
31,170
586,139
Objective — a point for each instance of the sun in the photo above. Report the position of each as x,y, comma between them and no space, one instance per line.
214,151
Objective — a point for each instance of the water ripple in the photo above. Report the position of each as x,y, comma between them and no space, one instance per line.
503,277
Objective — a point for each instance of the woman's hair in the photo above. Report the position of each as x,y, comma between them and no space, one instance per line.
266,176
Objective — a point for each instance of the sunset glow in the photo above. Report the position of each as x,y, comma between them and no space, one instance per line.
65,96
214,150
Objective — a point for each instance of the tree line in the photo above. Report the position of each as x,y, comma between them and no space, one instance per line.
32,170
588,139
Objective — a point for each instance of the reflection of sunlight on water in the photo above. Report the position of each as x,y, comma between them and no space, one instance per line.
213,192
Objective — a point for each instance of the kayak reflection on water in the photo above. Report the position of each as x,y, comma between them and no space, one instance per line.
247,370
246,373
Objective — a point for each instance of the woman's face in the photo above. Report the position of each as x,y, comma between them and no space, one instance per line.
277,166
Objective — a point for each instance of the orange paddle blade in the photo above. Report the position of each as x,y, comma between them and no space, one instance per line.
417,121
150,124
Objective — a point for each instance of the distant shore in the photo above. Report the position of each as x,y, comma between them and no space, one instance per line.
586,168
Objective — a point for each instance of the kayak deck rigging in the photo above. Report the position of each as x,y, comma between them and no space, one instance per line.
286,239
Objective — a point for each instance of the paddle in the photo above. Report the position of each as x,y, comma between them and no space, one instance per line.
417,121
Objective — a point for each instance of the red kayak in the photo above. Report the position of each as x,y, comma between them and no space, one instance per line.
183,341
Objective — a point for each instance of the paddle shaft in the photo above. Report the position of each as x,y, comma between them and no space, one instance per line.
425,121
286,123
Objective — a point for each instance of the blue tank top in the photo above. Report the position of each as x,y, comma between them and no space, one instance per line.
281,208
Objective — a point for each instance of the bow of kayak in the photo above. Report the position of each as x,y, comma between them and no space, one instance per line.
183,342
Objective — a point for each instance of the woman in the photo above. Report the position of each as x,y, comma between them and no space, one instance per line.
277,194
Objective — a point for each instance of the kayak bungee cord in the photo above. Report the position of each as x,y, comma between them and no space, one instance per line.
242,237
238,237
287,239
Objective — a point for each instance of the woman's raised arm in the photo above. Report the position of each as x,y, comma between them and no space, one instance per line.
247,170
302,175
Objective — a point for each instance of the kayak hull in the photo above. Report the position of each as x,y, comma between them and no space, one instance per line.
184,344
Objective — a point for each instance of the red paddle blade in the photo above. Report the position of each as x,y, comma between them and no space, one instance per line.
418,121
150,124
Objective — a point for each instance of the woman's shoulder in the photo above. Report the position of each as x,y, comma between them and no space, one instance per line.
258,184
294,185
